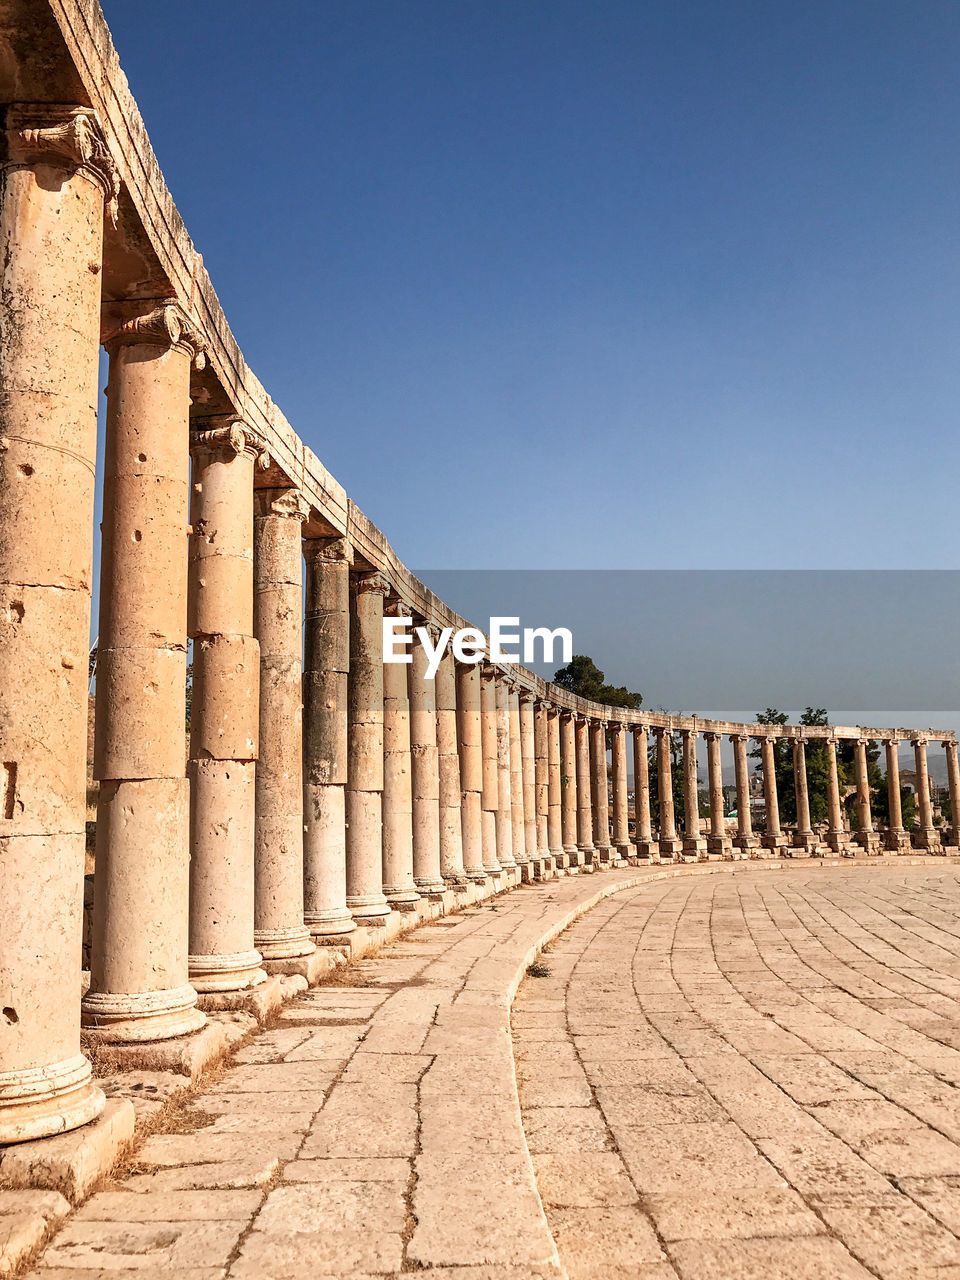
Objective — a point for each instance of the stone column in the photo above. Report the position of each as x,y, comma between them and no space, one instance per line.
448,774
55,178
773,838
897,837
517,817
670,846
585,846
528,769
139,989
398,883
694,845
555,790
599,791
953,776
325,736
746,841
804,838
541,739
470,742
719,844
364,789
927,836
224,723
504,788
424,771
647,847
621,812
490,795
837,835
279,931
568,774
867,838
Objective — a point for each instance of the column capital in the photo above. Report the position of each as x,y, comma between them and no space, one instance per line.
527,695
281,502
330,549
712,735
227,431
37,130
395,606
949,744
163,323
690,733
373,584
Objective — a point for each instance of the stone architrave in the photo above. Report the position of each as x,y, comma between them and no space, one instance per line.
364,789
279,930
326,652
224,722
56,176
139,988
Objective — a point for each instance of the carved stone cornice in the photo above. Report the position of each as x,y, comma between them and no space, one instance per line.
231,434
281,502
373,584
164,325
38,130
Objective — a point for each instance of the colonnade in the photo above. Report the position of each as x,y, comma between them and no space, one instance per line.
324,791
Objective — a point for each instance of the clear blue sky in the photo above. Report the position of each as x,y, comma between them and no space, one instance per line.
559,283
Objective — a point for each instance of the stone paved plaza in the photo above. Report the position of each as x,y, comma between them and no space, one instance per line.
727,1072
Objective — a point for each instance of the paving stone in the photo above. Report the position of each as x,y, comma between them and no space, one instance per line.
806,1258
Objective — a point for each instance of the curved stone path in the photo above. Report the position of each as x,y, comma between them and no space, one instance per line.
752,1076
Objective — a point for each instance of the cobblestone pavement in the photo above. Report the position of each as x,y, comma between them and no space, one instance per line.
752,1076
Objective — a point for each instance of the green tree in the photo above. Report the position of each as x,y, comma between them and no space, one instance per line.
583,677
817,760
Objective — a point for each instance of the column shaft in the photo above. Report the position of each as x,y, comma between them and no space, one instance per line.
425,772
928,837
584,807
517,815
448,772
279,931
398,883
470,742
555,789
599,789
364,790
491,781
804,837
719,843
528,764
837,836
773,837
326,651
621,808
746,840
139,988
693,843
897,837
504,823
568,775
224,725
541,737
953,776
670,846
51,229
641,794
866,835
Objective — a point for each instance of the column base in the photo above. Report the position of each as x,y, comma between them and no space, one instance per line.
694,847
867,842
622,854
37,1102
216,973
670,850
928,839
283,944
430,886
897,840
648,850
402,900
368,908
142,1016
329,924
720,847
838,841
804,844
774,840
747,844
477,876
